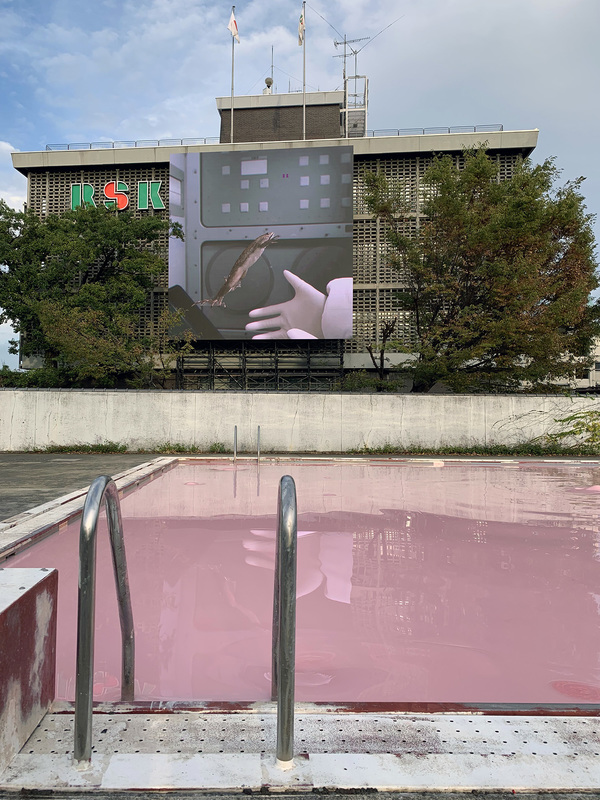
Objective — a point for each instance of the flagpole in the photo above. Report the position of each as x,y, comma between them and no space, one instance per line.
304,72
232,56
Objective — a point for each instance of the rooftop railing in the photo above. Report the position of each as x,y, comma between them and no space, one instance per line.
215,139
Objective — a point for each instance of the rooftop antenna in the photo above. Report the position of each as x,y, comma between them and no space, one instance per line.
367,39
347,42
347,102
357,100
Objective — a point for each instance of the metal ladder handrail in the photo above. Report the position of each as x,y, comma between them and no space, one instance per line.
102,488
284,620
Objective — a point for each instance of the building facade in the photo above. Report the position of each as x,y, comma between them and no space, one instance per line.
60,177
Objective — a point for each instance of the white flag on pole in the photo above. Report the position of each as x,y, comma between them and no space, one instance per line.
301,27
233,27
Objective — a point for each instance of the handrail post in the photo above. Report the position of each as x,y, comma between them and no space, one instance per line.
258,445
284,621
102,488
234,442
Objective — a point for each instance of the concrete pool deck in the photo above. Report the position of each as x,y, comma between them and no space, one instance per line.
136,750
30,479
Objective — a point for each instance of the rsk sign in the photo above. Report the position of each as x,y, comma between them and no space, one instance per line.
116,195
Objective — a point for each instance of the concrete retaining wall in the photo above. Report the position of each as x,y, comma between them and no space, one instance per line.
289,422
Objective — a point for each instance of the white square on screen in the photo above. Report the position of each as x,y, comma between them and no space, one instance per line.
257,166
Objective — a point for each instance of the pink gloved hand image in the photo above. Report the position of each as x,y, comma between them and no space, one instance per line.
304,312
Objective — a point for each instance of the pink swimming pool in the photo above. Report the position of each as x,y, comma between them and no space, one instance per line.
418,582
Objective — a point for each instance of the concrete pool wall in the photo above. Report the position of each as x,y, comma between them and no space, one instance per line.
289,422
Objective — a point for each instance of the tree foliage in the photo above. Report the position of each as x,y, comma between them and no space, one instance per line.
498,276
73,287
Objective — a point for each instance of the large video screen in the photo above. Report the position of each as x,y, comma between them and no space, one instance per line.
267,248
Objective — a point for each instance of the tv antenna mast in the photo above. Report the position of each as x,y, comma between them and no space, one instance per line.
347,42
356,102
354,113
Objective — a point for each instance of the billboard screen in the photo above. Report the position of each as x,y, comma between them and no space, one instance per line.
267,249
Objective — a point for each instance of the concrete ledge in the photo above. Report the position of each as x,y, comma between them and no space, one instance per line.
324,771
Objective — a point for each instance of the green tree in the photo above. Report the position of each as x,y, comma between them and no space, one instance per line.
498,276
73,287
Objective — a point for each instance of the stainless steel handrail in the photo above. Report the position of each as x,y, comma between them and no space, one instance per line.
283,661
102,488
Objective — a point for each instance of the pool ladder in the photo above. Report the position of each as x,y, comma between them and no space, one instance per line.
235,443
103,488
284,614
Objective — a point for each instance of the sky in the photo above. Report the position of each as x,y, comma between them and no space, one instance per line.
73,71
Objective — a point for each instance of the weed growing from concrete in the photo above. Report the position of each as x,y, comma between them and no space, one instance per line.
217,447
103,447
495,450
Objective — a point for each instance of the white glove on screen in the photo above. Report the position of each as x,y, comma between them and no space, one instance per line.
303,311
309,314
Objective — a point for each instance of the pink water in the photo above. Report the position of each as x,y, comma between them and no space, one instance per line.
439,582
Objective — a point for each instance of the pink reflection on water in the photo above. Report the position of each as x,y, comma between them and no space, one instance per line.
416,583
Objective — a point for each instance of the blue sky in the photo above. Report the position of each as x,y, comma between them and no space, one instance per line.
146,69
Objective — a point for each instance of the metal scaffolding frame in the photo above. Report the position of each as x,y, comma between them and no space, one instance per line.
271,366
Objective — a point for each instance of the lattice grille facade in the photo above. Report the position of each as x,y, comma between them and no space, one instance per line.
376,281
49,192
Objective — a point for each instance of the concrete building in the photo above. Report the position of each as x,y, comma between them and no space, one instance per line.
271,123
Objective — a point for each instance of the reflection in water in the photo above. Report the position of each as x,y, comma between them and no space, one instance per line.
458,583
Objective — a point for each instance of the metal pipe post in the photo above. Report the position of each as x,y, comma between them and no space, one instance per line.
284,620
119,560
258,444
234,442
